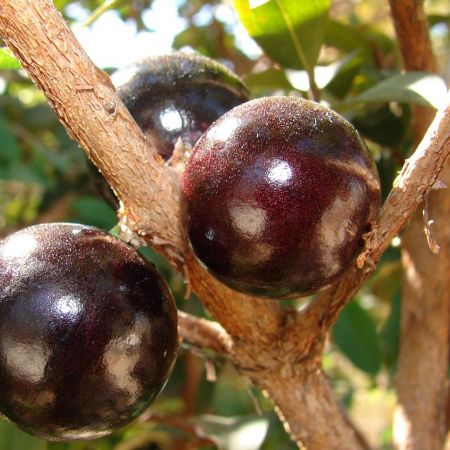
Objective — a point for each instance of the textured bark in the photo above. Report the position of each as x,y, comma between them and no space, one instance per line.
421,381
86,103
422,367
279,351
411,28
414,182
307,395
204,333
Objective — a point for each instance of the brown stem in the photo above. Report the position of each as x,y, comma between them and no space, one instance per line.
420,421
306,396
204,333
411,28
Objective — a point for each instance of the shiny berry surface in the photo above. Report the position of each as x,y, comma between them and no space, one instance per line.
177,95
277,195
88,331
171,97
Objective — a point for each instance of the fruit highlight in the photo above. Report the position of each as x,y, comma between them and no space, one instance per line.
88,332
174,97
277,195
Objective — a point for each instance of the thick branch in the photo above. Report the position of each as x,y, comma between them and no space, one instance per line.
411,28
306,396
86,103
420,418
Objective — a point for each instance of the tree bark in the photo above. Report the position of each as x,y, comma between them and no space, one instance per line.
305,403
421,380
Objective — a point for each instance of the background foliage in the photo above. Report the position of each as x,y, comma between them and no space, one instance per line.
347,50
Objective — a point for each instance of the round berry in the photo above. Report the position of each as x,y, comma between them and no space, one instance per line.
178,95
174,97
88,331
277,195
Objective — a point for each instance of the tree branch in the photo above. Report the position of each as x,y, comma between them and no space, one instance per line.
411,28
306,395
86,103
204,333
420,419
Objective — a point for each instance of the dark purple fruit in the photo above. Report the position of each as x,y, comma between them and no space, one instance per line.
175,96
178,95
277,195
88,331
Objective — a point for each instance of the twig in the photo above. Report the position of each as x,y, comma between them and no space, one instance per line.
204,334
416,178
420,419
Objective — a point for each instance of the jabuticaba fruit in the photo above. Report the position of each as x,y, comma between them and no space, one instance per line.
88,332
178,95
277,195
174,97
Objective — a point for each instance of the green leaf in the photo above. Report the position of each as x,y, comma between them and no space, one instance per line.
289,31
323,75
205,39
99,444
12,438
380,124
349,38
355,335
27,173
412,87
390,332
234,433
434,19
94,211
7,60
348,69
265,82
9,147
386,280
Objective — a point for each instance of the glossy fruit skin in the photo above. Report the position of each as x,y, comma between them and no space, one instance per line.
277,195
177,95
174,96
88,332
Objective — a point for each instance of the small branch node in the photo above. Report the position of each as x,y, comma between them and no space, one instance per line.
370,242
128,235
427,222
111,109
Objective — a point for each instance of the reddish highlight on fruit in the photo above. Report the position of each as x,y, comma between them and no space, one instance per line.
277,195
88,332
